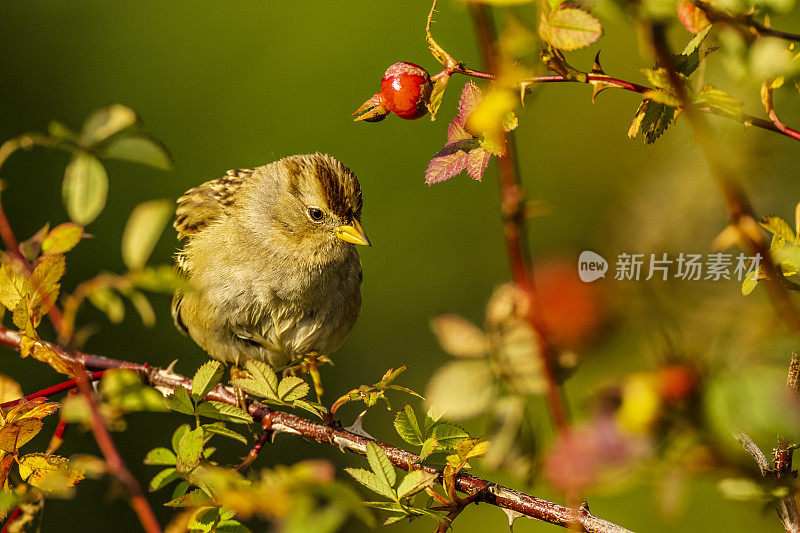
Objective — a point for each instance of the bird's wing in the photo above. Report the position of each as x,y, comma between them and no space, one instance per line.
200,206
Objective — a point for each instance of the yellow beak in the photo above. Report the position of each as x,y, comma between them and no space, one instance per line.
353,233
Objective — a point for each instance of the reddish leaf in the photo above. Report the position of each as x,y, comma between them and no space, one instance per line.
477,161
445,165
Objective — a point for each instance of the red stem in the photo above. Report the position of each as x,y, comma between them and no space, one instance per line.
512,208
280,422
55,389
10,520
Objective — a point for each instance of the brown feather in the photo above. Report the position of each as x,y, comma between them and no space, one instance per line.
200,206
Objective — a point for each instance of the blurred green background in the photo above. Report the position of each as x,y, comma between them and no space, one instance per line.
239,84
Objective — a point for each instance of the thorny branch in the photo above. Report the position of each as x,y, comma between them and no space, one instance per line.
141,506
786,506
742,218
166,381
453,66
743,21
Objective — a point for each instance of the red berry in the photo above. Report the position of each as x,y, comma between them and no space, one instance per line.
406,90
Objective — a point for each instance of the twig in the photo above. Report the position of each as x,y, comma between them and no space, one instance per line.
55,389
742,217
115,463
452,66
739,208
743,21
280,422
513,211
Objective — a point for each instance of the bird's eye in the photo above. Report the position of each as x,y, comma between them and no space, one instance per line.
315,214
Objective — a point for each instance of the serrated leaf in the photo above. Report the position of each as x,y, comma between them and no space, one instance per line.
206,378
13,435
381,464
292,388
446,164
30,347
85,188
778,227
224,412
62,238
160,456
448,436
414,482
195,498
107,121
407,426
109,303
179,401
460,337
372,482
190,450
163,478
48,472
178,434
139,148
224,432
13,286
710,96
749,284
263,372
428,447
651,119
569,28
142,231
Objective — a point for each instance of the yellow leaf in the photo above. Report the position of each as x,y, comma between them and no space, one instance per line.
62,238
460,337
15,434
45,282
48,472
5,467
9,389
37,408
13,286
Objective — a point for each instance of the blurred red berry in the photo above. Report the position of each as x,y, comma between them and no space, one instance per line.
571,308
676,382
406,90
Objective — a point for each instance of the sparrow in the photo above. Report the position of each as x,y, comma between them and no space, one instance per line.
270,261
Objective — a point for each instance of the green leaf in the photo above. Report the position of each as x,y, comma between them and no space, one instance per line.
406,425
428,447
109,302
139,148
779,227
292,388
162,278
123,389
460,337
224,432
311,407
651,119
60,130
432,417
107,121
462,388
414,482
180,401
178,434
741,489
85,188
223,411
448,436
160,456
143,307
569,28
372,482
190,450
710,96
62,238
195,498
749,284
263,372
380,464
163,478
205,379
144,227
